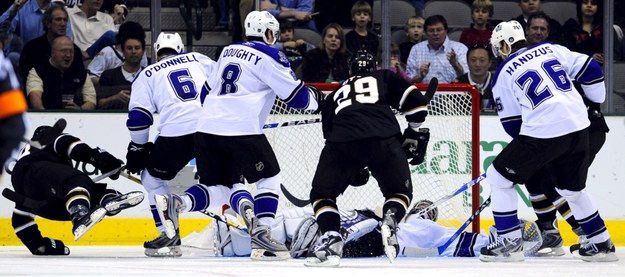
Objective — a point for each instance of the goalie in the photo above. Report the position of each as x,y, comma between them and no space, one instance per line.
360,229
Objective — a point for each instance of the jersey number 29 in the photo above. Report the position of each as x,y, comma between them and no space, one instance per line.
365,90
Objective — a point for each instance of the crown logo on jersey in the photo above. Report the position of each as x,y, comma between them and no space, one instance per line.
260,166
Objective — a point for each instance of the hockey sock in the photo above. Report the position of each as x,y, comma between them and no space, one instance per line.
327,215
77,196
587,215
504,206
157,219
544,209
196,198
561,205
239,195
399,202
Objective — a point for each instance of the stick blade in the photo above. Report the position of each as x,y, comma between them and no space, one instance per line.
432,87
296,201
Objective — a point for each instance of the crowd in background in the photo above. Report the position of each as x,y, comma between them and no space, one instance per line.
94,68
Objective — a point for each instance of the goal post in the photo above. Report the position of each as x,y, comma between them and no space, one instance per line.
452,158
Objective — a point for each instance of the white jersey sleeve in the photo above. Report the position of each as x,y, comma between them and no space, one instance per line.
534,93
171,87
247,79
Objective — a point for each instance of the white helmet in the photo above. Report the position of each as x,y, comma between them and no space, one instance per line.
257,23
509,32
168,40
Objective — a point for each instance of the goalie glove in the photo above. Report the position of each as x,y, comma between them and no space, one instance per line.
415,143
51,247
137,156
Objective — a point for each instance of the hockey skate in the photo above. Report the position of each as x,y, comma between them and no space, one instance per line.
530,233
116,203
168,208
389,237
163,246
265,248
327,251
83,219
503,250
598,252
581,240
552,240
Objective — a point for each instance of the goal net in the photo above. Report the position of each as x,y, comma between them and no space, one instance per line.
452,158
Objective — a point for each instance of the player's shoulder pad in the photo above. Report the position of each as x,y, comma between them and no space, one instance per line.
274,53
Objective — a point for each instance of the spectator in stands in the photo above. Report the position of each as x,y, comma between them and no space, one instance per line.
25,17
56,85
115,84
332,11
480,30
528,7
414,32
438,56
361,36
479,59
295,50
328,62
299,11
396,64
537,29
584,33
37,51
117,9
89,24
112,56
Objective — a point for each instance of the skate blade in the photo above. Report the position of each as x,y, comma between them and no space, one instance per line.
130,200
95,217
513,257
267,255
389,246
600,257
332,261
164,252
549,252
161,205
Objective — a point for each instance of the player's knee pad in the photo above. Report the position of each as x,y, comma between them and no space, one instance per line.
494,178
154,184
271,184
569,195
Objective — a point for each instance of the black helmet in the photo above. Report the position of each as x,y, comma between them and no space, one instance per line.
361,61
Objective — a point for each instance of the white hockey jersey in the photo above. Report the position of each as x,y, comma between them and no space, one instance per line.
248,77
534,93
171,87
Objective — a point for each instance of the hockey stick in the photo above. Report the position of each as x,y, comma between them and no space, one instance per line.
291,123
296,201
460,190
226,220
443,247
48,136
107,174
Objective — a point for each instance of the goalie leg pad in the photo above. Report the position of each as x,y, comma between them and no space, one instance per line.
306,233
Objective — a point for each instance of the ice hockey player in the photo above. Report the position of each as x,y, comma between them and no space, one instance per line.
361,130
46,184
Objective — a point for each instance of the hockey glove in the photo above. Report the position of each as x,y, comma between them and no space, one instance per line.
318,96
361,178
105,162
51,247
137,156
415,143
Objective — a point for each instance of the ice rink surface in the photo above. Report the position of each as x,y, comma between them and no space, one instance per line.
130,261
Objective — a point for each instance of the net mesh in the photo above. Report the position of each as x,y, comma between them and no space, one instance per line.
298,143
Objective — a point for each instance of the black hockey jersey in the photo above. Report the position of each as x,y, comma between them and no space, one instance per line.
362,107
